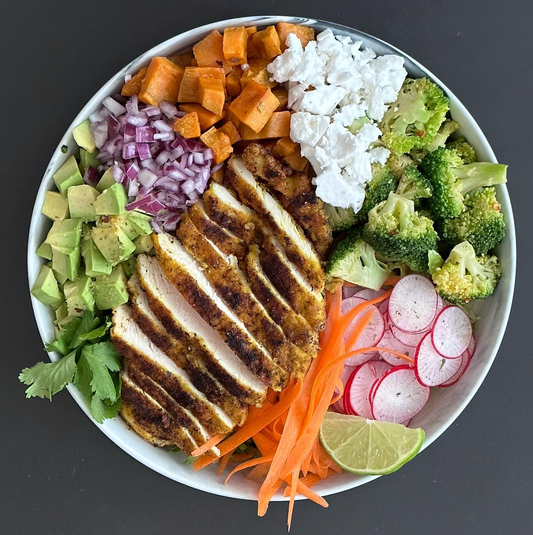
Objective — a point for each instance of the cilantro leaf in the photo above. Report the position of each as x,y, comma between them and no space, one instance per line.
87,324
101,411
96,333
84,376
48,379
103,358
67,333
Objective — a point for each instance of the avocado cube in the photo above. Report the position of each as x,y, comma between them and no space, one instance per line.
110,291
68,175
79,295
95,263
121,221
65,233
143,244
61,312
46,289
106,181
112,243
44,251
81,202
55,206
112,201
141,223
83,136
65,262
88,159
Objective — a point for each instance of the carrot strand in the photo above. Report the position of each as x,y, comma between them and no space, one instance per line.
211,443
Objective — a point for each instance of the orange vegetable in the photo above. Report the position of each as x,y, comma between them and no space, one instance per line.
133,85
231,131
190,84
234,45
161,82
251,30
303,33
212,95
233,81
257,70
184,59
208,52
188,126
211,443
218,142
264,44
284,147
206,118
296,161
279,125
255,105
282,95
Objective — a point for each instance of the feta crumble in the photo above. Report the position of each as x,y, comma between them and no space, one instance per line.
331,83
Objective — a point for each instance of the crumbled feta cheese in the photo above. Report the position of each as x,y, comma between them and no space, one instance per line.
379,155
333,188
323,99
308,128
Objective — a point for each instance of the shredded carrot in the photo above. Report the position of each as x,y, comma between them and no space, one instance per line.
239,457
259,471
224,460
294,485
392,280
249,464
339,385
211,443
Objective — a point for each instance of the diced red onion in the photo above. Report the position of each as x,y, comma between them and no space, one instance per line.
132,170
164,136
143,150
129,133
127,78
133,188
168,109
177,152
163,157
146,178
152,111
91,176
113,106
117,172
162,126
145,134
188,187
99,131
177,175
168,184
198,158
208,154
129,150
135,120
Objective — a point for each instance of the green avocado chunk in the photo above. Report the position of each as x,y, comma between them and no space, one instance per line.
44,251
83,136
122,222
46,289
65,233
106,181
68,175
81,202
61,312
55,206
95,262
79,295
88,159
65,262
113,243
110,291
141,223
143,244
111,201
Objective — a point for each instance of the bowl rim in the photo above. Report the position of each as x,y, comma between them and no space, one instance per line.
175,41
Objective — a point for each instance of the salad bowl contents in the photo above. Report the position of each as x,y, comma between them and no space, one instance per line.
266,252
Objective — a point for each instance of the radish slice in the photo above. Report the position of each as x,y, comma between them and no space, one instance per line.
413,304
431,368
472,346
369,294
350,291
440,303
408,339
370,337
390,342
398,396
452,332
357,395
465,362
338,406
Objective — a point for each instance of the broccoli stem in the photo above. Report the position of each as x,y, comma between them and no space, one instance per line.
479,175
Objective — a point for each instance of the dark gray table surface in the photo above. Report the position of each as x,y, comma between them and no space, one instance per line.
60,475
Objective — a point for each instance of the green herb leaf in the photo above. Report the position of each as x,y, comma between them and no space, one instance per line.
189,460
84,376
67,333
96,333
103,358
45,380
87,325
101,410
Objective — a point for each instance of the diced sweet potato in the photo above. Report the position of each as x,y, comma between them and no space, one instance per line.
257,70
218,142
279,125
231,131
133,85
282,95
250,30
255,105
206,118
208,52
296,161
188,126
235,45
264,44
303,33
190,84
184,59
212,94
233,81
161,82
284,147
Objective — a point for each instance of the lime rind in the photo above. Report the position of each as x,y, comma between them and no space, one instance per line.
369,447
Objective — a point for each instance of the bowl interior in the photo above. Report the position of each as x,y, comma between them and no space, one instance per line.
444,405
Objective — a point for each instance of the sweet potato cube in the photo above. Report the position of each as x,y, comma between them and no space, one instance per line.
296,161
218,142
188,126
282,95
257,70
133,85
250,30
233,81
161,82
264,44
184,59
206,118
208,52
231,131
279,125
255,105
303,33
190,85
284,147
235,45
212,94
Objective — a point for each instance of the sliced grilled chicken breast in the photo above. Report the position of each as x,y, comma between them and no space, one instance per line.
181,320
298,248
182,355
142,354
230,282
183,270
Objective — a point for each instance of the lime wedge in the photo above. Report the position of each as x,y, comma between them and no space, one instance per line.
368,447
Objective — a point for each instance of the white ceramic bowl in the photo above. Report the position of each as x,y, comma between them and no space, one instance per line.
444,406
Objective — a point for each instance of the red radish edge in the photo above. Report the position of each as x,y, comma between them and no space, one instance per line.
451,336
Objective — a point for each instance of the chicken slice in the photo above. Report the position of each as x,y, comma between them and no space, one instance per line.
184,323
183,270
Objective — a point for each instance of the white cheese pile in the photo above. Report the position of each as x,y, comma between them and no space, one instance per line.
348,83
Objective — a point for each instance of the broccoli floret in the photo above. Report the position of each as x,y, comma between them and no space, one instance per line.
465,151
447,128
354,261
481,224
377,190
396,231
398,162
435,261
414,185
465,276
340,218
412,122
452,180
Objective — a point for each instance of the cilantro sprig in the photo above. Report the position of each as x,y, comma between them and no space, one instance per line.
89,360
